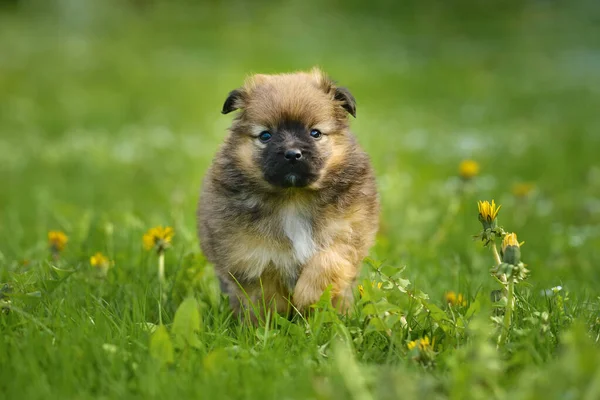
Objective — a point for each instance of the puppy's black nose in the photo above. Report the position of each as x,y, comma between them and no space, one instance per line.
293,155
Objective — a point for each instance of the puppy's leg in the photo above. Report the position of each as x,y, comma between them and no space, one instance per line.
252,300
336,266
234,290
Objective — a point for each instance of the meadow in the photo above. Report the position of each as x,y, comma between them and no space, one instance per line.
110,116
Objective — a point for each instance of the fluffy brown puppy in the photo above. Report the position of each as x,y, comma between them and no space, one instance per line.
289,205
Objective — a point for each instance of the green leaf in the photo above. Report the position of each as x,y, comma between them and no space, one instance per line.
61,273
474,308
215,359
377,325
389,270
186,324
437,314
290,328
161,347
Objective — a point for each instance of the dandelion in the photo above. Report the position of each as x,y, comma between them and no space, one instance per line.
522,189
159,238
488,213
510,239
511,250
508,268
513,271
57,241
422,344
511,265
455,299
468,169
361,289
422,349
100,262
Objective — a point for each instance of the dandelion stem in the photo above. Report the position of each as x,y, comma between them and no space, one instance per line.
496,255
508,312
161,266
498,262
161,281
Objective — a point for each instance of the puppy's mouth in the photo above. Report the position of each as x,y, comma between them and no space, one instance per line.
291,179
296,180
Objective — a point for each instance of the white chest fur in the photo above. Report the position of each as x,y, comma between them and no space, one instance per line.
254,254
297,226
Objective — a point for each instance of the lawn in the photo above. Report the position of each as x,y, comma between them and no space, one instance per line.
110,116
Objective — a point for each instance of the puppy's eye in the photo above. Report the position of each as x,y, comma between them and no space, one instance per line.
265,136
315,133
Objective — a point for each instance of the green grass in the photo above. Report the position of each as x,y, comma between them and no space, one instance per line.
109,118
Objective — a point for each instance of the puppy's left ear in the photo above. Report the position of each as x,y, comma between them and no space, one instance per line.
234,100
348,102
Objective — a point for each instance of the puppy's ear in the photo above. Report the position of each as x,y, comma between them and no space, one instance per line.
234,100
348,102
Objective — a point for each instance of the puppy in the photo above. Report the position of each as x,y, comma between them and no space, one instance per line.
289,206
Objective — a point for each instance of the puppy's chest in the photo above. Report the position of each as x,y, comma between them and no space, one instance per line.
297,227
283,241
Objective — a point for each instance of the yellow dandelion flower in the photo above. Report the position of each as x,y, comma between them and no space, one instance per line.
455,299
99,260
159,238
488,213
422,344
57,241
468,169
523,189
361,290
450,297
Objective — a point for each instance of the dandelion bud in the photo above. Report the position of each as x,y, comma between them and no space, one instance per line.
511,250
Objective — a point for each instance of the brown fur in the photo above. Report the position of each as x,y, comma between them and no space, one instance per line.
244,221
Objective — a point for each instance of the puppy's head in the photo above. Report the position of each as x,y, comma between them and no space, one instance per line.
291,128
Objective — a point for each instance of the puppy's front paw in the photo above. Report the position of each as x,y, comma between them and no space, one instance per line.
305,295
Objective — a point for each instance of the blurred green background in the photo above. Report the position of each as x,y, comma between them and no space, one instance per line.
110,113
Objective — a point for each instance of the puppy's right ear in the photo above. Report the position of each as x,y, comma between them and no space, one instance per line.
234,100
